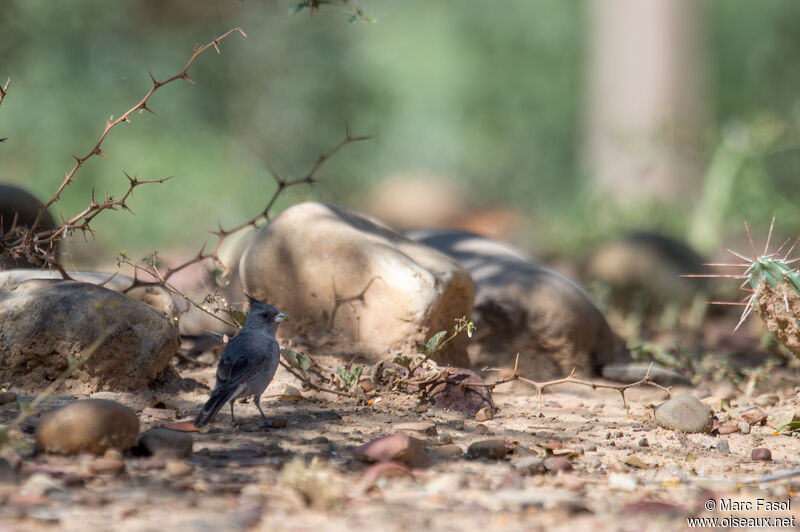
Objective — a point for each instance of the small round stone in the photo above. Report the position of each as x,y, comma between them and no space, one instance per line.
761,454
89,425
684,413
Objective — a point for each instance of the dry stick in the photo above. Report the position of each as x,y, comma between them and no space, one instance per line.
540,386
4,89
306,380
31,239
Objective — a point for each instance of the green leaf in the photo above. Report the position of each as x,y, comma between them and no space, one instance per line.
350,378
433,343
237,315
353,18
402,360
298,360
792,425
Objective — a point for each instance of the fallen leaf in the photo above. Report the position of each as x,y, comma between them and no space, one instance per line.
181,426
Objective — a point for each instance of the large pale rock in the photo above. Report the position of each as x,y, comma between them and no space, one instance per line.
43,322
354,287
521,307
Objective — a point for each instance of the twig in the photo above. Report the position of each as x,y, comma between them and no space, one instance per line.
307,381
570,379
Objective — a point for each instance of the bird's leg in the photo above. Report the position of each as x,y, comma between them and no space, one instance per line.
233,420
256,400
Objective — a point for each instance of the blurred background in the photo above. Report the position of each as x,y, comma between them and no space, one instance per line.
556,125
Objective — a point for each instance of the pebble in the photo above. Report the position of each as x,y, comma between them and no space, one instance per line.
744,427
279,423
445,452
484,414
723,447
529,465
7,397
494,449
684,413
482,429
556,464
89,425
398,447
644,443
761,454
319,440
168,443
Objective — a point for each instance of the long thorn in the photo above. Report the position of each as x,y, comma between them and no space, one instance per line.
769,235
750,239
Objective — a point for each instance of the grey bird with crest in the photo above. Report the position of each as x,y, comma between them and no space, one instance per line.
248,363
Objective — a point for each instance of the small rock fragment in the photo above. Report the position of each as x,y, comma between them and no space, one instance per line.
89,425
761,454
395,447
494,449
484,414
482,429
754,416
556,464
744,427
291,394
279,423
684,413
644,443
167,443
729,427
723,447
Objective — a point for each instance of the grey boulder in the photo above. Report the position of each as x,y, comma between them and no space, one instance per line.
45,322
521,307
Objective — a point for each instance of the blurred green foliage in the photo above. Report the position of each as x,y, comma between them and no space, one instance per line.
488,93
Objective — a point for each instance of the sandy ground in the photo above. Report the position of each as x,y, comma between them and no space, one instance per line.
626,473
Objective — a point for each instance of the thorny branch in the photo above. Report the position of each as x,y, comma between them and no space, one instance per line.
161,278
35,242
570,379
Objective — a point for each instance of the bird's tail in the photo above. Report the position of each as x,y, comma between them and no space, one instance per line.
217,400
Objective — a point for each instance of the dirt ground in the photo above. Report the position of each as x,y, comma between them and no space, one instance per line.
624,473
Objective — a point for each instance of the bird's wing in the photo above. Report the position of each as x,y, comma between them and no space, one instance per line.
240,359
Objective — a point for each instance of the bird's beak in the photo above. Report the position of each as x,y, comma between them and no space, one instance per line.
281,317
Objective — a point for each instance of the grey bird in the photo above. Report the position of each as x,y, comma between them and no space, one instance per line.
248,362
